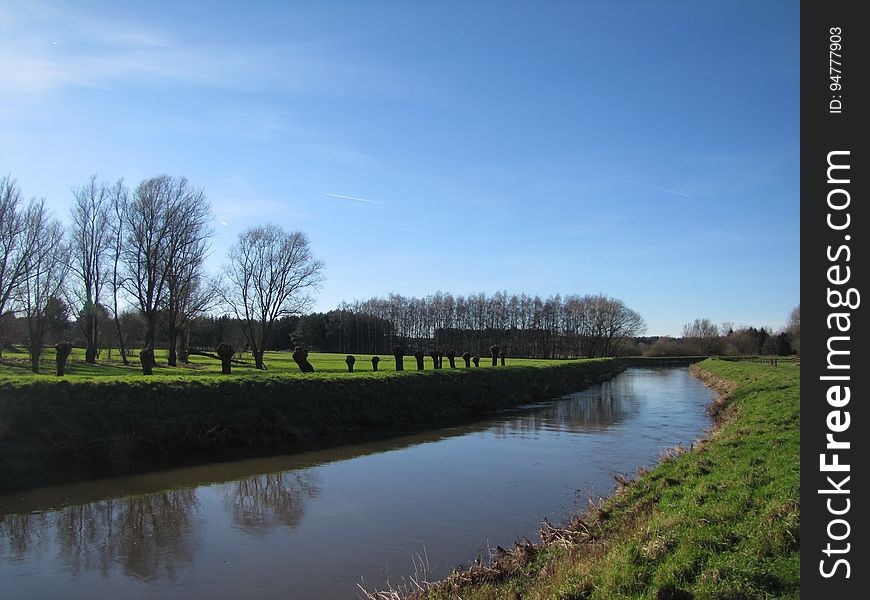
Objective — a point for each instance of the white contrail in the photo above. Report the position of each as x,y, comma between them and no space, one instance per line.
661,189
352,198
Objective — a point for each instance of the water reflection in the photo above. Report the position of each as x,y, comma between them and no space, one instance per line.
592,410
258,504
151,535
148,536
19,535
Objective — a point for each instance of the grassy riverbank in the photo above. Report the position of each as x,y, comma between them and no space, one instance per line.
15,365
720,521
132,422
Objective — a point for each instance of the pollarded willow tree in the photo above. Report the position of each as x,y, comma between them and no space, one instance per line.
270,275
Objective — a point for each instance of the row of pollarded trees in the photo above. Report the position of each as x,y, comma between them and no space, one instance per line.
569,326
144,248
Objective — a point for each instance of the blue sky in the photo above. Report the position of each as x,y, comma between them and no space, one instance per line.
648,151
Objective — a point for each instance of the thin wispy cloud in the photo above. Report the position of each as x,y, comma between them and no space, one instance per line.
46,46
353,198
661,189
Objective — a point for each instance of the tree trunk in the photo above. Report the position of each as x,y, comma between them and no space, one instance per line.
258,359
173,345
91,328
35,351
91,336
184,345
300,356
146,357
62,352
150,336
225,352
121,347
35,347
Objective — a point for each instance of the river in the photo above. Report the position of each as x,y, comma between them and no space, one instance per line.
316,523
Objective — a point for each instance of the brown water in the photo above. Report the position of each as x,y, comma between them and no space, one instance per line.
313,525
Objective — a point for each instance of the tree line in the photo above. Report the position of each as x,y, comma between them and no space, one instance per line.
704,337
522,325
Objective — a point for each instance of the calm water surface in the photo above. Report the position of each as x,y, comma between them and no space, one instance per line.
313,525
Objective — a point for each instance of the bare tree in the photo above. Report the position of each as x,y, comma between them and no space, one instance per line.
622,324
700,328
702,336
45,268
269,275
119,196
186,292
153,220
91,244
191,294
17,239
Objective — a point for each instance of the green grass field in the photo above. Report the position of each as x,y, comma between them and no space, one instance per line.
721,521
15,366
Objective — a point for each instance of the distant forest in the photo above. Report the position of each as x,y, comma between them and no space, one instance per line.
520,325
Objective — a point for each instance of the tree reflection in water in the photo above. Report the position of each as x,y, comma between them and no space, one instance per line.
595,409
149,536
20,535
259,504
